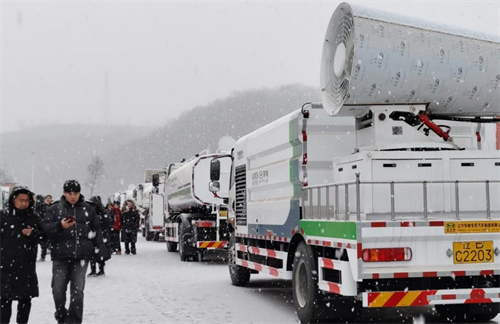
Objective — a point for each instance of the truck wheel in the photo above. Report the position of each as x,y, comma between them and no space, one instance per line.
171,246
468,313
184,248
149,235
147,232
240,276
312,304
306,295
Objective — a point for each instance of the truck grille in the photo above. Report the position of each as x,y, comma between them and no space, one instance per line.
241,195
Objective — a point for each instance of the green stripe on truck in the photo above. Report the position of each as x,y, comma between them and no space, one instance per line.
293,139
182,192
333,229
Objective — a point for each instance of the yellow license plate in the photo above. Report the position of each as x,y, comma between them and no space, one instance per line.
473,252
223,213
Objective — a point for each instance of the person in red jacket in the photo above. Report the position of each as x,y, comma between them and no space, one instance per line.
117,226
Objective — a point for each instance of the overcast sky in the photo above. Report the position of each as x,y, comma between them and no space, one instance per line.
142,63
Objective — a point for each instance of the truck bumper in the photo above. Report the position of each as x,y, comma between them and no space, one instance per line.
431,297
212,244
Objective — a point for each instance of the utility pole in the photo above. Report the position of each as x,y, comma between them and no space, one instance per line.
32,171
106,97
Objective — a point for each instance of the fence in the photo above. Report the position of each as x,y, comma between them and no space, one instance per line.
314,208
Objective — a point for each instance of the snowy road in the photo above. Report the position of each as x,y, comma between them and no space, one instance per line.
155,287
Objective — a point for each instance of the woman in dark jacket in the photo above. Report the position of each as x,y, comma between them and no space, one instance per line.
105,224
115,214
20,234
130,226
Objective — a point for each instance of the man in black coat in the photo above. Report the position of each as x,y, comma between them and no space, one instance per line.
20,234
105,223
73,228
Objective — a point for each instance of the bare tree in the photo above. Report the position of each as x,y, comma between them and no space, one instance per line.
95,172
4,176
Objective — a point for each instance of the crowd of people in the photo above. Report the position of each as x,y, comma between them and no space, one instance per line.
77,233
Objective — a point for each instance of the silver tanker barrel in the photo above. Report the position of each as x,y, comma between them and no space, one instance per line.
187,187
372,57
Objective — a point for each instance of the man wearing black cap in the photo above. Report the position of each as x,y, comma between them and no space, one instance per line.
73,228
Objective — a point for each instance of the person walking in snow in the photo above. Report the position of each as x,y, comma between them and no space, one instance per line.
117,226
42,203
39,204
105,224
20,234
73,228
130,226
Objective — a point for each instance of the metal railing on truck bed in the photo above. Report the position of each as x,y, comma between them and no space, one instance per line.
324,201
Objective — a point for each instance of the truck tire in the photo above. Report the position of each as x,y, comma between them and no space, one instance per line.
470,313
306,295
185,252
143,223
149,235
313,304
240,276
171,246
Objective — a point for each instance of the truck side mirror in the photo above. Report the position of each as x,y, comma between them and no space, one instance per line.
156,180
214,170
214,186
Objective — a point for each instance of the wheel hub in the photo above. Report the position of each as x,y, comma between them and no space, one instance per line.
301,283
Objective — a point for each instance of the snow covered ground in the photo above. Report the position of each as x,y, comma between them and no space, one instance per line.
155,287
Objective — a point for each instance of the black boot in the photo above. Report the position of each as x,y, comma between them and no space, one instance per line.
101,271
92,270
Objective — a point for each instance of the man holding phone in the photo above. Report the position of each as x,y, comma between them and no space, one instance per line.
73,228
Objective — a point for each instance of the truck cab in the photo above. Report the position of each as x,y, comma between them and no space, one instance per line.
150,196
196,217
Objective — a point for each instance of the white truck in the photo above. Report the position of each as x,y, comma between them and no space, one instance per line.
4,196
114,197
366,202
196,217
149,201
122,195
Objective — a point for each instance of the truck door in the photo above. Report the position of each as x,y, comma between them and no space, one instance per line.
156,210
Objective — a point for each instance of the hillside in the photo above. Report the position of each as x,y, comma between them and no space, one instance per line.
63,152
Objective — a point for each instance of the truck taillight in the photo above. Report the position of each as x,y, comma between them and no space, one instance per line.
387,254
